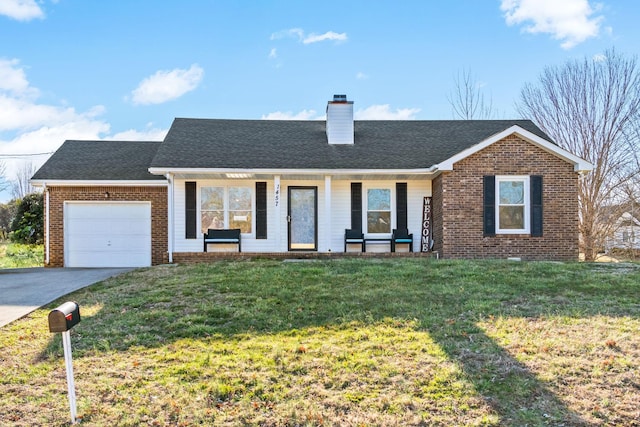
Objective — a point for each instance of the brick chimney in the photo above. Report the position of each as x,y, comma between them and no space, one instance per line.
340,120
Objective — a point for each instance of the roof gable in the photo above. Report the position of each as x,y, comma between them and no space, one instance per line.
580,165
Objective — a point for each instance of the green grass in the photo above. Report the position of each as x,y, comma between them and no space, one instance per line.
17,255
339,343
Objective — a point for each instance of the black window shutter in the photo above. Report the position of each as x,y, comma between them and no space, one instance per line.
190,210
356,205
401,205
261,210
536,205
489,210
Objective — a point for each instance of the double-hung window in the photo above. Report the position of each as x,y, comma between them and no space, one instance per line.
378,210
226,207
512,205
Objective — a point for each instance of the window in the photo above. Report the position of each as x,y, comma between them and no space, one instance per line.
512,204
226,207
378,210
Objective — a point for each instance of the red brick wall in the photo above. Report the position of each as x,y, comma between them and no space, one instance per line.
156,195
459,196
437,214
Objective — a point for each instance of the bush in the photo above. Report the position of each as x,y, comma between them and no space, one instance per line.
28,224
7,213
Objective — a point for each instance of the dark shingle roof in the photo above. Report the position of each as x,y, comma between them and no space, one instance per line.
274,144
100,160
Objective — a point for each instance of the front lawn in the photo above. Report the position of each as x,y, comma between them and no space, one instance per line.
389,342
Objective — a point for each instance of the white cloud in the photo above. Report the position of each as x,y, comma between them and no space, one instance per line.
273,54
14,79
384,112
288,115
361,76
21,10
570,21
310,38
329,35
166,85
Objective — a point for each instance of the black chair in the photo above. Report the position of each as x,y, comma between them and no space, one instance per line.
353,237
402,236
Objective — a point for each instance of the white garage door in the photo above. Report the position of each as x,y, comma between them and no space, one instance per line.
107,234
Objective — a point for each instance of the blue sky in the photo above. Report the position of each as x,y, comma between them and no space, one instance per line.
90,69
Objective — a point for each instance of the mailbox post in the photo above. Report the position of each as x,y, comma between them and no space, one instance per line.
62,319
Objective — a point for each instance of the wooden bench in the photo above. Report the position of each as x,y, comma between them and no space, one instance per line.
222,237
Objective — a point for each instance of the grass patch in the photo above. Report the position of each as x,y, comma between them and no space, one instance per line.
18,255
339,343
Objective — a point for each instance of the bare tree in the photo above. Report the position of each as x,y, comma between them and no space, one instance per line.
4,183
467,100
21,185
591,108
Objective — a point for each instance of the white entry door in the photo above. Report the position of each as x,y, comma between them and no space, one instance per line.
107,234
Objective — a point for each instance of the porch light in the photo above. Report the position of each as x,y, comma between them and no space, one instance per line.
238,175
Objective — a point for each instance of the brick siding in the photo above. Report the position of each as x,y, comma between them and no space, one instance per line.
156,195
458,205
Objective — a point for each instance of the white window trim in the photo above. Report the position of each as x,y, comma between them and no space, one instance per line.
226,204
527,204
365,207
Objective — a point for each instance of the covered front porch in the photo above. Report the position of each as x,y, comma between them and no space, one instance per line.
297,212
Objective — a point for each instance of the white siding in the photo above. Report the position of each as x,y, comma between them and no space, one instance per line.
328,240
416,191
249,242
340,123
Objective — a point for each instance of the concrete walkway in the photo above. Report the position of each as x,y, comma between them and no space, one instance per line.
23,290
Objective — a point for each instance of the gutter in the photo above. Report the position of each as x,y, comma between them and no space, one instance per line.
99,183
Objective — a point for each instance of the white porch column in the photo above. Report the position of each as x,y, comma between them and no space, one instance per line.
326,242
277,203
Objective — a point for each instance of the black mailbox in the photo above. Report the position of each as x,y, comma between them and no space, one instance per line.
64,317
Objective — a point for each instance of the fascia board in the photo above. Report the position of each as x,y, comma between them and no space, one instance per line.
580,165
97,183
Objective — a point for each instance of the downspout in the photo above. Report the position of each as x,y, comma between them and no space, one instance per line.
170,233
46,220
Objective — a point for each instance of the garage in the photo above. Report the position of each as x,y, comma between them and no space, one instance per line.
107,234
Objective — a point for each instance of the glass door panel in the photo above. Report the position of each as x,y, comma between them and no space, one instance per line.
303,218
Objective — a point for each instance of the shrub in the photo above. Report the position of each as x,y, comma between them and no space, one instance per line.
28,224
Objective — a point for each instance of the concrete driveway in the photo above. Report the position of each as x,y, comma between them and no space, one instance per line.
23,290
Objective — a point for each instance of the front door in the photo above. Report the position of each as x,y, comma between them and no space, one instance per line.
302,216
